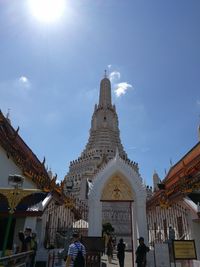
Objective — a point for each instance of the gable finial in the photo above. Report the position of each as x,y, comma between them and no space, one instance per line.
8,116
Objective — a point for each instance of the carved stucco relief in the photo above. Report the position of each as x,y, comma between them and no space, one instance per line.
117,189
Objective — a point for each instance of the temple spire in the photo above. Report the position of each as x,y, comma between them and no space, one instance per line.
105,92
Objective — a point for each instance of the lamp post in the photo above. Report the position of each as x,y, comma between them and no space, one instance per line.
14,196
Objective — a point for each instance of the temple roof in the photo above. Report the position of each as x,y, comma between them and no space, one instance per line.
22,155
183,179
32,168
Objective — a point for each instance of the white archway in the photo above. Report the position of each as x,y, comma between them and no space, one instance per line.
117,166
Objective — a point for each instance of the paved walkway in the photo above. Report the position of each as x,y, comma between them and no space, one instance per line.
115,263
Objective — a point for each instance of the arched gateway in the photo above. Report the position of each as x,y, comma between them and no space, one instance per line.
117,181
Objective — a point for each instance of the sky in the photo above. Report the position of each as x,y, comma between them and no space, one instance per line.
50,72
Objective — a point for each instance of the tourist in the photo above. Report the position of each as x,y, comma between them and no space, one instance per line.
27,238
22,246
141,253
171,234
170,242
109,250
76,253
34,249
27,241
106,237
121,252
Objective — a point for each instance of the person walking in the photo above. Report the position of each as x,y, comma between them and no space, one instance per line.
171,234
22,245
27,244
121,252
76,253
34,248
27,238
141,252
109,250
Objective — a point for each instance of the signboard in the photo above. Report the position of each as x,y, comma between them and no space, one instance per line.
184,250
162,255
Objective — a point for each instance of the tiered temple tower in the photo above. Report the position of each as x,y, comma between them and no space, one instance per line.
104,141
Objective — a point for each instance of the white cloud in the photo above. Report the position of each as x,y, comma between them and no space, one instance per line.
109,66
24,81
114,76
121,88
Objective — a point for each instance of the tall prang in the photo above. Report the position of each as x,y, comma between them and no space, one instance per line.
104,141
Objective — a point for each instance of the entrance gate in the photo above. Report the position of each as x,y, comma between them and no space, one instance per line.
119,215
118,182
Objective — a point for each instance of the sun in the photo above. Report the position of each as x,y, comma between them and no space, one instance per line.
47,10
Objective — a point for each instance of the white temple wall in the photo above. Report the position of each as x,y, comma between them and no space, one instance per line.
8,167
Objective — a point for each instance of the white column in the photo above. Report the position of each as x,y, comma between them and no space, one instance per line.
95,217
141,218
134,226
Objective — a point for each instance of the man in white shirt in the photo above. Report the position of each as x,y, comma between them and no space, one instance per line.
76,253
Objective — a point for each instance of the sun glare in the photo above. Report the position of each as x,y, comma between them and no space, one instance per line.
47,10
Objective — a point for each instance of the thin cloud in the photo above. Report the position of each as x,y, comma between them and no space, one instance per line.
109,66
132,148
121,88
145,149
52,118
198,102
24,82
114,76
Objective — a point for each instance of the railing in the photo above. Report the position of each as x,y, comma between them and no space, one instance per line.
16,260
60,237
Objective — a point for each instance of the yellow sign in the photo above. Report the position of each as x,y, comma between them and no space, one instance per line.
184,249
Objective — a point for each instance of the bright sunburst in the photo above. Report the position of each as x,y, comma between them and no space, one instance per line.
47,10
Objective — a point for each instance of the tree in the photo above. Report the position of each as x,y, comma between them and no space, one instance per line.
107,228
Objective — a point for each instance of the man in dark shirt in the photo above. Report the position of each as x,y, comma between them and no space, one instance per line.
141,253
121,252
27,239
27,243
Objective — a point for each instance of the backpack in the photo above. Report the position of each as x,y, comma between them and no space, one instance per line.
79,260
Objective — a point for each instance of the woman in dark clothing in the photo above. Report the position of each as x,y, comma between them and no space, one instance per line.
121,252
141,253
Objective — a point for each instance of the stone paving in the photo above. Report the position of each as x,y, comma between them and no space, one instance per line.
115,263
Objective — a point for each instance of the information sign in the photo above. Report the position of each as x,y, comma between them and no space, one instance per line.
184,250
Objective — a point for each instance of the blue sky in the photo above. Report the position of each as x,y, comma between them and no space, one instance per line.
50,75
